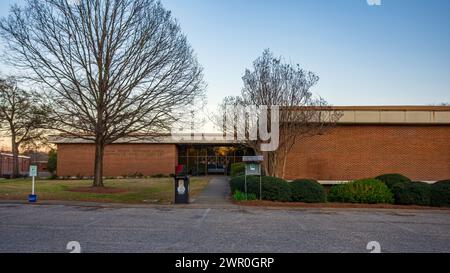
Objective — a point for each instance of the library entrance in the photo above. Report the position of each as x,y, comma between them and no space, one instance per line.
203,159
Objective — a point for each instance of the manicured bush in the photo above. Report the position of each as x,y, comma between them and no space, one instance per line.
307,190
274,189
392,179
237,169
237,183
447,181
240,196
368,191
413,193
440,193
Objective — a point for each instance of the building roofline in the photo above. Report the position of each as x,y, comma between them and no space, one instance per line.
20,156
405,115
392,108
200,138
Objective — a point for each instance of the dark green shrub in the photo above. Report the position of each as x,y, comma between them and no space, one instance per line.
237,169
274,189
392,179
414,193
440,193
368,191
307,190
447,181
237,183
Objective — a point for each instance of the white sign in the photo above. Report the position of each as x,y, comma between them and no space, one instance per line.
252,158
33,170
253,169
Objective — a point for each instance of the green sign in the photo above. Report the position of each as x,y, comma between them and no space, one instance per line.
252,169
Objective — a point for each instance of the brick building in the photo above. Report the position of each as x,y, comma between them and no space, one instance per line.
6,165
367,141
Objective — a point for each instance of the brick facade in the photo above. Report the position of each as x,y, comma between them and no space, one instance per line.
345,152
6,165
119,160
421,152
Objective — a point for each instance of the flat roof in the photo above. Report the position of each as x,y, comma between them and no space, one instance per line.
393,108
10,154
403,115
200,138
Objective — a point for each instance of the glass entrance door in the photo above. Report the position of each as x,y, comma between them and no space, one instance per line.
210,159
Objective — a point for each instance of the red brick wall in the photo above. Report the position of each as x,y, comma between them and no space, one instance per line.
119,160
6,165
357,151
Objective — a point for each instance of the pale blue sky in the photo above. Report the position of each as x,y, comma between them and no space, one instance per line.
396,53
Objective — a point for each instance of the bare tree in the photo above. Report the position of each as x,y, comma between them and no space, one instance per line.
108,68
274,83
21,118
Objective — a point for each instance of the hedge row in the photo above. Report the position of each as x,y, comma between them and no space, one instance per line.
388,188
276,189
407,192
440,193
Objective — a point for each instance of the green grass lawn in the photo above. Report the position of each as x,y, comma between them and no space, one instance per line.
148,190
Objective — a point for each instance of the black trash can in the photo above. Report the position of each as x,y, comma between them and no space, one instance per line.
181,189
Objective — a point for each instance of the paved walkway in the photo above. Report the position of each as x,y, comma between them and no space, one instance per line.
217,192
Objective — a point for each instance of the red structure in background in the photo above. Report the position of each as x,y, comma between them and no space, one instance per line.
179,169
6,164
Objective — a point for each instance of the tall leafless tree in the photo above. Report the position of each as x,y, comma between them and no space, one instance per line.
275,83
21,118
109,68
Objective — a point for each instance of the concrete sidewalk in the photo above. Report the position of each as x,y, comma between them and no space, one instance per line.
217,192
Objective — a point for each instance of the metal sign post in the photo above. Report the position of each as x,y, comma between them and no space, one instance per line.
33,173
253,167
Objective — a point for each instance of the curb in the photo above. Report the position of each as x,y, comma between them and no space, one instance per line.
116,205
213,206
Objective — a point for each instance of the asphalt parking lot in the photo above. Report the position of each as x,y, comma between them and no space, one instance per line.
48,228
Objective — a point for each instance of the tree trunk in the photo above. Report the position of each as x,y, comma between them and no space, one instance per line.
98,169
15,152
274,164
266,163
284,156
283,172
271,164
